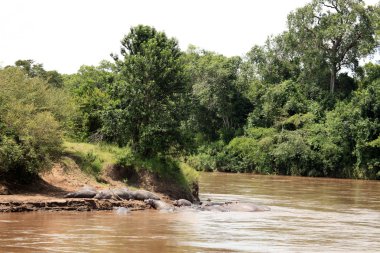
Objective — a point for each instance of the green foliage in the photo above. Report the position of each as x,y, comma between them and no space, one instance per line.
93,158
344,143
30,133
90,88
32,69
206,157
148,96
338,32
165,168
274,62
277,102
269,112
219,109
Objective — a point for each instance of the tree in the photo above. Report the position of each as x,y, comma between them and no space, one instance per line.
148,94
341,31
30,131
33,69
276,61
220,108
90,87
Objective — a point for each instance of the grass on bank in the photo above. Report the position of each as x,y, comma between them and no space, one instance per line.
93,158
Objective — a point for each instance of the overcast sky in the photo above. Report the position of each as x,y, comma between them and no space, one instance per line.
65,34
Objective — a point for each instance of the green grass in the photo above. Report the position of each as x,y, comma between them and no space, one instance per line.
190,174
92,158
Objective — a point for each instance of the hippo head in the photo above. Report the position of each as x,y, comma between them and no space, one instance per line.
149,201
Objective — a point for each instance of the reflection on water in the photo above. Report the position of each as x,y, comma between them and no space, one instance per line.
308,215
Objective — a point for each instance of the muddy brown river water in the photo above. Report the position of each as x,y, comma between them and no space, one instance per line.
308,215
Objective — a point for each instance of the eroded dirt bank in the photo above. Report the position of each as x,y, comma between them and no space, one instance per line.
68,205
48,191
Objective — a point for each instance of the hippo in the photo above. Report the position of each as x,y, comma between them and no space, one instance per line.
216,207
231,207
121,210
123,193
158,204
143,195
85,192
182,202
104,194
245,207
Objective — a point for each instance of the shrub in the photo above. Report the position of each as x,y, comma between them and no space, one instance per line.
30,134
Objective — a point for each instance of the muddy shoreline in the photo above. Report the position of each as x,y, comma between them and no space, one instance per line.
48,191
81,205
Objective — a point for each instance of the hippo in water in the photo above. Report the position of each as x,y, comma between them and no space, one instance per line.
182,202
232,207
158,204
85,192
244,207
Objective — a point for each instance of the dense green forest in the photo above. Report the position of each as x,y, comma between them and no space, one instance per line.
304,103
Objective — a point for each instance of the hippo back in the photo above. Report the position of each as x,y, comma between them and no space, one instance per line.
123,193
143,195
82,193
104,194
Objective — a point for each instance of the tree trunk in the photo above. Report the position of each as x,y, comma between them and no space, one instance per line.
332,80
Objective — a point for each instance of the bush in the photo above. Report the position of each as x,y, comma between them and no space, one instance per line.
30,134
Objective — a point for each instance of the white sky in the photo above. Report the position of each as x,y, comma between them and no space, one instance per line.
65,34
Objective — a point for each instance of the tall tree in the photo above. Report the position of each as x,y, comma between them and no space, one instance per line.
33,69
342,31
148,94
90,87
220,108
276,61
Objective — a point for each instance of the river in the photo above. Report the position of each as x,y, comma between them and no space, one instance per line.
307,215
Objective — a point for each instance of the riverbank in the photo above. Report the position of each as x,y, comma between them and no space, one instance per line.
25,203
47,192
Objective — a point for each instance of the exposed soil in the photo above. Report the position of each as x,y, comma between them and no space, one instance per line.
47,192
149,181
